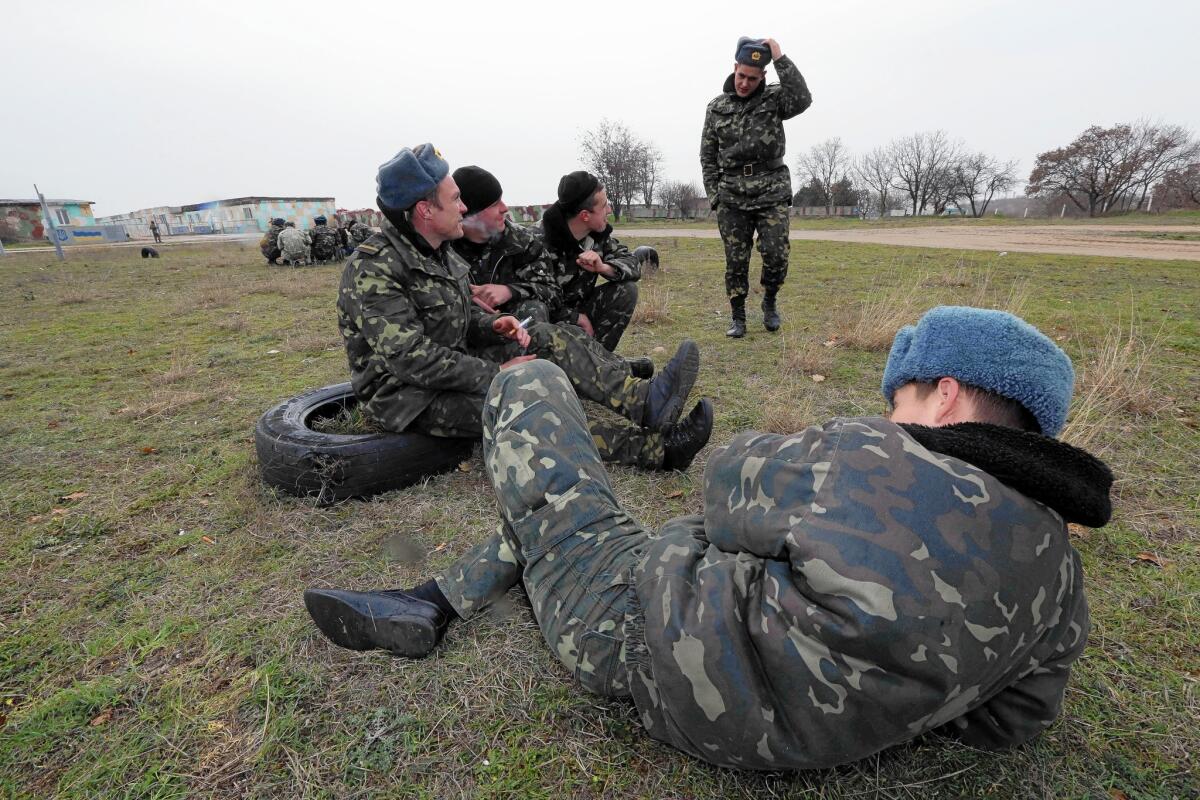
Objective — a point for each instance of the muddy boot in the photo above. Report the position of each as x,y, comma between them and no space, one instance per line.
394,620
771,320
738,307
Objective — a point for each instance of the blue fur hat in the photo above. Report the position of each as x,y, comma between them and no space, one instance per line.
752,52
409,176
992,350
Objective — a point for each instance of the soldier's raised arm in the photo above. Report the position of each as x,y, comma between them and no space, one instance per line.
794,96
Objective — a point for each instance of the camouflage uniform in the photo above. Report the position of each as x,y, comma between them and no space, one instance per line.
324,243
293,246
270,242
609,305
847,589
422,354
515,259
741,155
358,232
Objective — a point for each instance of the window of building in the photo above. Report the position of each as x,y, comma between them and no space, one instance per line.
249,212
63,218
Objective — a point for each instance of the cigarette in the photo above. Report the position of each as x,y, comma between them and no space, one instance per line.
525,322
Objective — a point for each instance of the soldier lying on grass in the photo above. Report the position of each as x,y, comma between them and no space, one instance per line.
422,354
848,587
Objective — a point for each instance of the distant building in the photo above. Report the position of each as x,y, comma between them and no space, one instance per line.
236,215
21,220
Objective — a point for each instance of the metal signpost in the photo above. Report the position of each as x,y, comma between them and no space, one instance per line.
50,222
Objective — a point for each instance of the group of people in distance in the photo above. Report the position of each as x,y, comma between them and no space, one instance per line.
847,588
319,245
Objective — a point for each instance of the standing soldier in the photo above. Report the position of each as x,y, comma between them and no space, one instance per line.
745,177
324,241
154,231
269,244
577,236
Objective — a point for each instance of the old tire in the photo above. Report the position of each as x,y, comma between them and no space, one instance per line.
330,467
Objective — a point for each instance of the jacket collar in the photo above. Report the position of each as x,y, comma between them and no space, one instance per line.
1071,481
402,228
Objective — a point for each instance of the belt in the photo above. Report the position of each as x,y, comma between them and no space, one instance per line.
746,170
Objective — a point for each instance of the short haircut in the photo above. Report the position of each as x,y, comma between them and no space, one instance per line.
392,215
590,203
989,406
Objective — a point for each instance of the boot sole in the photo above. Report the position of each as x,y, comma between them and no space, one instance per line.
685,380
402,635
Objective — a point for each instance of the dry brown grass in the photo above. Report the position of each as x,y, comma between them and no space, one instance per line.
806,356
233,323
160,403
789,407
183,366
653,306
873,323
308,342
1114,381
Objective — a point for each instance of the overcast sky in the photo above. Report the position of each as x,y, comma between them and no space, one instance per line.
142,104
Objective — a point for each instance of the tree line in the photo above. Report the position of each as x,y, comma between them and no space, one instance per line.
1127,167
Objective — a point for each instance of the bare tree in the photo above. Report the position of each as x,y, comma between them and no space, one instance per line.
826,164
616,157
877,172
1112,169
1180,188
670,195
921,164
648,167
980,177
688,194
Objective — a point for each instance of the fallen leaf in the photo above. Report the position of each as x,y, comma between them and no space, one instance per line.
675,494
146,451
831,342
52,424
207,540
101,718
441,547
215,726
57,512
464,466
129,351
272,352
659,349
35,518
67,498
818,378
1117,794
209,494
1078,531
1153,558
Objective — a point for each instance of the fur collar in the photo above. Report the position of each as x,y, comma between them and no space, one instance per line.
1071,481
558,235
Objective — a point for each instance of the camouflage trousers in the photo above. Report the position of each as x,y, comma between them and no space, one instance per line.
562,532
610,307
596,374
737,233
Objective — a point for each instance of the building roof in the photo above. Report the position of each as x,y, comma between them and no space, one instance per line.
241,201
49,202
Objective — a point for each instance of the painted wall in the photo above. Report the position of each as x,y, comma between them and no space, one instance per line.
23,222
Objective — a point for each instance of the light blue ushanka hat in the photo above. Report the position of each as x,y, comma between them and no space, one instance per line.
992,350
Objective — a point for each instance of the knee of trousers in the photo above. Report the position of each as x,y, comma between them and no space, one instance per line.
623,296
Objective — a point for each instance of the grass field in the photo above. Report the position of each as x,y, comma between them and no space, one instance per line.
845,223
152,639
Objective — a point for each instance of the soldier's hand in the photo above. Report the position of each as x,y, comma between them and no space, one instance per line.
512,362
590,260
477,299
776,52
494,294
510,328
586,324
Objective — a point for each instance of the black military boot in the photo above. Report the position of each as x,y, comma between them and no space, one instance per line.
738,306
670,388
392,620
685,439
641,367
771,319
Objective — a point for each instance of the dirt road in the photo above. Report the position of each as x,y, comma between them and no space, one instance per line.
1127,241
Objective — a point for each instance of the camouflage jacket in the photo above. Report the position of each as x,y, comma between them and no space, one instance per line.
740,131
849,588
516,260
574,282
293,244
358,232
270,240
324,242
406,316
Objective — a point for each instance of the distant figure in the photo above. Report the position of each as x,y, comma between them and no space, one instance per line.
324,241
294,246
155,233
357,232
150,252
269,244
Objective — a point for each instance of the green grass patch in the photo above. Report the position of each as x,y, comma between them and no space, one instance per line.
153,643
